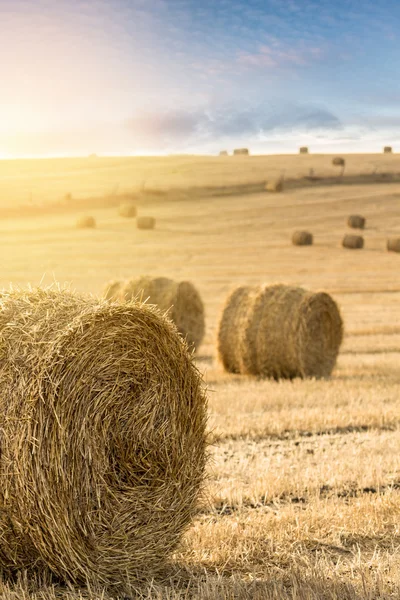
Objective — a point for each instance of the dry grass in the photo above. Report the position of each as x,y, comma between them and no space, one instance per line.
180,300
103,438
302,238
302,500
279,331
353,242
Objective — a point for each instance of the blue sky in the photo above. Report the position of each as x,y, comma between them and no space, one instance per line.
158,76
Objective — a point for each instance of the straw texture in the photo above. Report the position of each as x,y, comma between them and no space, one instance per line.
393,245
302,238
280,332
102,422
353,242
181,299
356,221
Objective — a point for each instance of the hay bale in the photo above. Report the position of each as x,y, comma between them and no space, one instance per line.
279,331
241,151
393,244
356,221
387,150
353,242
127,210
274,185
86,223
102,422
303,150
223,153
302,238
112,290
338,161
181,299
145,222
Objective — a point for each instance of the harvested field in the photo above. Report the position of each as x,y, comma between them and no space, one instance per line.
302,499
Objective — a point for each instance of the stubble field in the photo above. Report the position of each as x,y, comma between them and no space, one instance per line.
303,493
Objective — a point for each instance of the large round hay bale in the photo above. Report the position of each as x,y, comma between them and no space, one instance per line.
112,290
241,151
181,299
223,153
356,221
86,223
353,242
303,150
145,222
338,161
127,210
393,244
387,149
102,418
274,185
302,238
279,331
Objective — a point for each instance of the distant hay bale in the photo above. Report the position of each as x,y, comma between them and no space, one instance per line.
353,242
145,222
302,238
102,422
303,150
356,221
393,244
223,153
112,290
181,299
127,210
241,151
86,223
274,185
338,161
387,149
280,332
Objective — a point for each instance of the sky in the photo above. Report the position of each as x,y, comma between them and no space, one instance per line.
197,76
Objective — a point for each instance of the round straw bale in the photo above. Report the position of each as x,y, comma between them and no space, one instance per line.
145,222
356,221
302,238
127,210
112,290
223,153
275,185
181,299
86,223
353,242
303,150
241,151
387,149
338,161
102,422
393,244
279,331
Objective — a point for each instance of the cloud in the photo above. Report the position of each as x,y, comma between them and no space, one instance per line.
275,56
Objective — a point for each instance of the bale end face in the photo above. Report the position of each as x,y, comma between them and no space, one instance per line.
279,332
145,222
353,242
302,238
86,223
356,222
393,245
116,417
